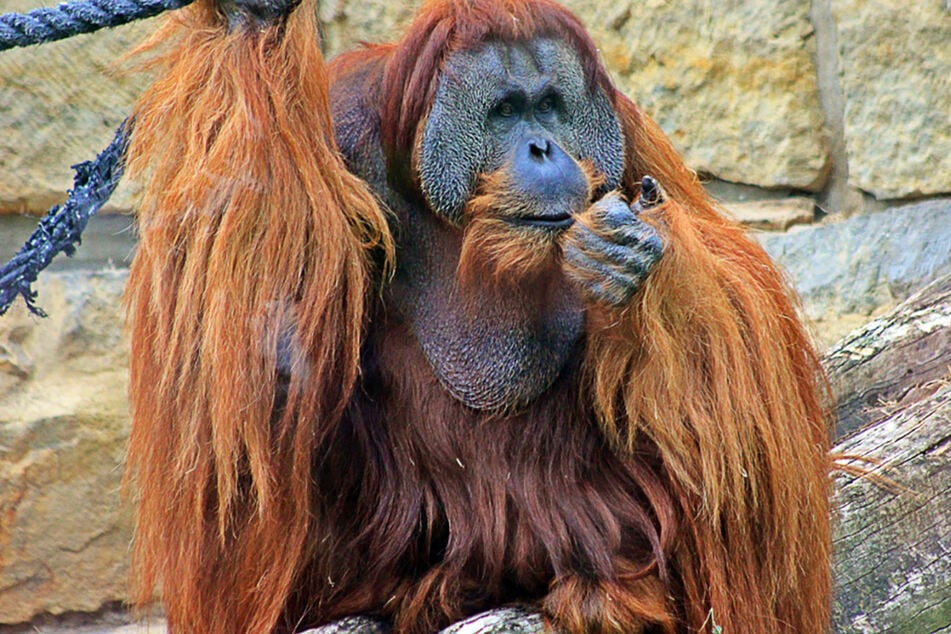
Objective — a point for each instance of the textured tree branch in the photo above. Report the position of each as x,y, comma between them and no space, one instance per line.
888,359
501,621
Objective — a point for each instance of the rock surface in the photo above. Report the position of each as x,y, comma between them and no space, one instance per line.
60,104
734,84
774,215
114,620
895,63
64,534
346,23
848,271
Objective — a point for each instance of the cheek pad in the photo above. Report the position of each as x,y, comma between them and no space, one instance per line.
594,133
453,150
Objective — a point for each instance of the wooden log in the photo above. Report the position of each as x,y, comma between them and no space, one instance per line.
892,379
893,543
501,621
886,361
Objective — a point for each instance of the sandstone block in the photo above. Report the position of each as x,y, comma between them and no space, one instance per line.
59,105
346,23
895,63
64,532
774,215
732,83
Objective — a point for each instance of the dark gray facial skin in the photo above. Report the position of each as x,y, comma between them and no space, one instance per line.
494,109
490,100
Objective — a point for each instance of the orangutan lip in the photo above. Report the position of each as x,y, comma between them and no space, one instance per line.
558,222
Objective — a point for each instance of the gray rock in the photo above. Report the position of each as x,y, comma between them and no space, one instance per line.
862,265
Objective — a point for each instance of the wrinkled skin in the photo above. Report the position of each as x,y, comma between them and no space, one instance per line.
523,110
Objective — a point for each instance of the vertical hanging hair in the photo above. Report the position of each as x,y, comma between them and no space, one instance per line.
253,235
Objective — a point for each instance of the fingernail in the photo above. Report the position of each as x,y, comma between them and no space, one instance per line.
652,194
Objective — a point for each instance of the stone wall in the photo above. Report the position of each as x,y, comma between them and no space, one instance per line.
64,529
846,99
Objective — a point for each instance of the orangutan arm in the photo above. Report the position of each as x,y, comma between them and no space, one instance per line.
706,360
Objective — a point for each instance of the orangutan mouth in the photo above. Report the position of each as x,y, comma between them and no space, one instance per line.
553,222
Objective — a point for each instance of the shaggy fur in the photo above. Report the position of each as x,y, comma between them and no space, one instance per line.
677,470
247,213
495,254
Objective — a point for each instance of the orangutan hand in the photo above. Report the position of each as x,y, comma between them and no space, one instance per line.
609,251
240,12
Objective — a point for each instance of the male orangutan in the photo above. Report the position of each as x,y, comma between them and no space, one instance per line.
446,325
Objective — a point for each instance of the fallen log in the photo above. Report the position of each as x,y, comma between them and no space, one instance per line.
892,380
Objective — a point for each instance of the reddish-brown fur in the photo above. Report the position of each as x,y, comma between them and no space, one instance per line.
247,215
675,475
492,254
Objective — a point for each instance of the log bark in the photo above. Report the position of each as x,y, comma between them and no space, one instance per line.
502,621
893,543
892,381
887,361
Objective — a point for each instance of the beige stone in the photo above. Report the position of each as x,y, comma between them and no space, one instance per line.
895,63
774,215
346,23
732,83
64,532
59,105
152,627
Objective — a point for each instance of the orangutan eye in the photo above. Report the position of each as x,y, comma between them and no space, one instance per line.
545,105
506,109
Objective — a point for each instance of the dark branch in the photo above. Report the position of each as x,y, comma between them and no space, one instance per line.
62,227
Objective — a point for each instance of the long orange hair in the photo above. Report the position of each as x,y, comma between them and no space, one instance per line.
249,225
712,363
